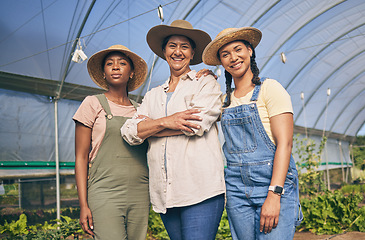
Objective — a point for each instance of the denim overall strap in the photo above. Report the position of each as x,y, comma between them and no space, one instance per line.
256,91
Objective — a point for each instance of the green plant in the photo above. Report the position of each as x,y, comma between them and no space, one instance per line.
310,180
347,189
224,232
358,152
333,212
37,216
156,229
15,228
59,229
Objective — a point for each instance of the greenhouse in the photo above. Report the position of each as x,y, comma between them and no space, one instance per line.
315,49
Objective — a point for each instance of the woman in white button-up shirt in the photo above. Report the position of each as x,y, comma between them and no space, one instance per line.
178,118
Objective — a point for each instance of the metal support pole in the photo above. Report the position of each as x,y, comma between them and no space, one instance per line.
58,195
327,169
20,193
341,157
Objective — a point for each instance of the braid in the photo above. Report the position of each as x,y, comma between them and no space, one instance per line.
255,79
228,88
255,70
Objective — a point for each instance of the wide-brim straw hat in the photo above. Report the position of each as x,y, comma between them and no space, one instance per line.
96,71
249,34
157,34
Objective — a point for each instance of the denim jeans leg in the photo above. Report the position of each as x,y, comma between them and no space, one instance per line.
286,227
172,222
195,222
201,221
241,219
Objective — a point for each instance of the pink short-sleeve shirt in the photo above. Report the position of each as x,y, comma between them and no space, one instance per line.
92,115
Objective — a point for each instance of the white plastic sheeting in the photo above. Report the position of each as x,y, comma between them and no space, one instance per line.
27,127
323,41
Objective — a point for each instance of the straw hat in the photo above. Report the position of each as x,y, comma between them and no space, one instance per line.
157,34
96,71
249,34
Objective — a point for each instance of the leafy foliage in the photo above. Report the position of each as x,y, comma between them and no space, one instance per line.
224,232
310,180
37,216
156,229
15,228
60,229
358,188
358,152
333,212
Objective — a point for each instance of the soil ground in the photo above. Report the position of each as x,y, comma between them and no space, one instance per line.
343,236
311,236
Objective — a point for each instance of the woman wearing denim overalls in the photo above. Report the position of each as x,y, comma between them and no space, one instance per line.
111,176
257,122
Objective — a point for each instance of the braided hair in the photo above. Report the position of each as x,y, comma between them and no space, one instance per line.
254,69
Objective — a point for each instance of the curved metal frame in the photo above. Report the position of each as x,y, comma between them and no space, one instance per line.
343,87
320,51
342,110
305,24
354,116
325,80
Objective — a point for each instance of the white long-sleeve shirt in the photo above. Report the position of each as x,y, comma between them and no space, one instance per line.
185,169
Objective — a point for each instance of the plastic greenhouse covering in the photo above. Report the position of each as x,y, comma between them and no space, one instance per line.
41,87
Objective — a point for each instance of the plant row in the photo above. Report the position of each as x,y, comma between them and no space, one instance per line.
327,213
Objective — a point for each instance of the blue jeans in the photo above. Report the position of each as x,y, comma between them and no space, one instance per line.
195,222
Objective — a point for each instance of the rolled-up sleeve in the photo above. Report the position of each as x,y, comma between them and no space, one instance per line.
130,133
129,130
208,101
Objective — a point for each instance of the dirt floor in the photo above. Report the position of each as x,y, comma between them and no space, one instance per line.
303,236
343,236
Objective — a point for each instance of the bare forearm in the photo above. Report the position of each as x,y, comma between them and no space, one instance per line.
82,147
281,165
168,133
282,129
81,180
179,121
149,128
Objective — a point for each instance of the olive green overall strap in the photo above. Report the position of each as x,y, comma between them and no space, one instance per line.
104,103
135,104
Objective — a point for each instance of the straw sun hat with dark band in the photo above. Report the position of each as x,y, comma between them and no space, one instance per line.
157,34
249,34
96,71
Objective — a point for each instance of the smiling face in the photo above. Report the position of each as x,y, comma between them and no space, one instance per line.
235,58
118,69
178,53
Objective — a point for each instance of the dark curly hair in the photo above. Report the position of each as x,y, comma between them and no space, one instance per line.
255,70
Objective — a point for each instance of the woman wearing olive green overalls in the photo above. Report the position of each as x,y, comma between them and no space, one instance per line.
111,176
